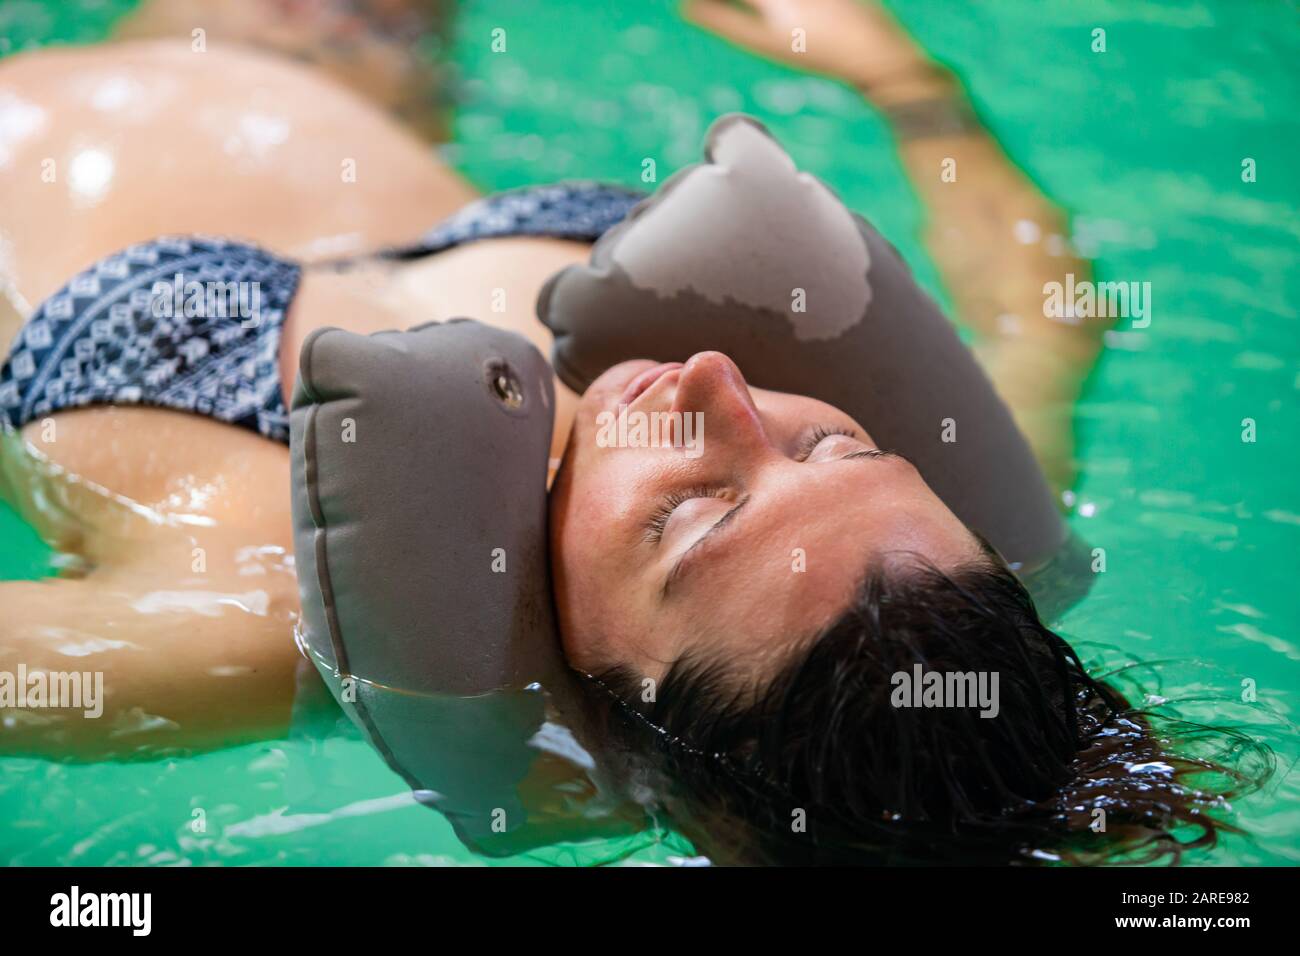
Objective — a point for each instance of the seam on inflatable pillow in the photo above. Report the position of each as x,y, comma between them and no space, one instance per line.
323,580
319,545
310,471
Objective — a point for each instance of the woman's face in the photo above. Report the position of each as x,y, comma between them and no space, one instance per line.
746,535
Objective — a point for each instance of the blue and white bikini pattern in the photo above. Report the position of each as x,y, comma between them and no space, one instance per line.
191,323
574,210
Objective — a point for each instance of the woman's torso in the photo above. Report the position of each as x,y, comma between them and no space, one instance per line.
110,146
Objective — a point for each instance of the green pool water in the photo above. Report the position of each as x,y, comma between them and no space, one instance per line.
1143,144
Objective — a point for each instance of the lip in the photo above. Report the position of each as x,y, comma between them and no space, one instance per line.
644,380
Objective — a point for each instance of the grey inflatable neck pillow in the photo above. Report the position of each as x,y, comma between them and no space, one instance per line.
419,464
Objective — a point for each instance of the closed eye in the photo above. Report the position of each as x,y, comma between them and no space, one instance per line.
814,436
659,519
695,548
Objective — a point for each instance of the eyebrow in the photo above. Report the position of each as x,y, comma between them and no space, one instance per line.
713,529
869,454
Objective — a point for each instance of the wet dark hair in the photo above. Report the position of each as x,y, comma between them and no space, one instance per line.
817,765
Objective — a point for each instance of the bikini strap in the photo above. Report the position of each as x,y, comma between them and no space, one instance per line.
581,211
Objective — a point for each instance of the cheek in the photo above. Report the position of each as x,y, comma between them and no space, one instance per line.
574,575
594,609
585,566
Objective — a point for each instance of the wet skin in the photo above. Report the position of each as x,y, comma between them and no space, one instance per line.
178,527
741,552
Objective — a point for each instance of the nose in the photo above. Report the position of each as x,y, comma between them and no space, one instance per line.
710,383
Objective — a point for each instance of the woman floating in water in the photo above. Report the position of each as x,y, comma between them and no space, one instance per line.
773,689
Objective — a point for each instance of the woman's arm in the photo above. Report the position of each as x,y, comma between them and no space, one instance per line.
995,238
172,624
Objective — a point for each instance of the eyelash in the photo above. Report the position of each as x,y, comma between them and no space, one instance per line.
818,435
659,520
